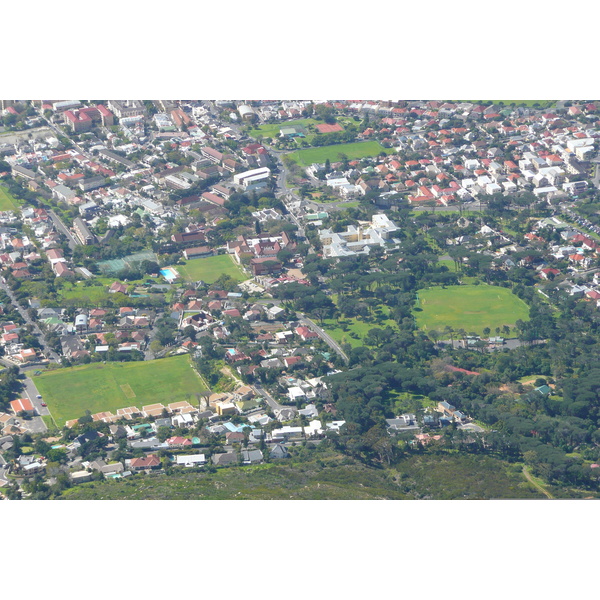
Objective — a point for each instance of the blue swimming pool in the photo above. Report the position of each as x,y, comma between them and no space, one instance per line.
169,274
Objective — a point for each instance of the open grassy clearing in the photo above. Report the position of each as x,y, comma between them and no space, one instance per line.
352,151
407,402
469,307
99,387
88,289
352,330
92,291
273,130
7,200
449,262
210,269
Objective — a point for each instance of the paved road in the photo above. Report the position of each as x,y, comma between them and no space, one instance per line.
324,336
260,391
32,393
49,353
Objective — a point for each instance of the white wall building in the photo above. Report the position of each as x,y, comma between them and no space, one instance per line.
358,240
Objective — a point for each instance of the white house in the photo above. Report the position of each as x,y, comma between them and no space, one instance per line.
191,460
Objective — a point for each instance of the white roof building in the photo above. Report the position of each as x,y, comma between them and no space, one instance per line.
357,240
191,460
296,393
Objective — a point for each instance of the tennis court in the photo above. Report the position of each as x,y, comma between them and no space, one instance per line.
114,265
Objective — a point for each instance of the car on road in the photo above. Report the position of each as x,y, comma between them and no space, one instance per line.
44,404
39,397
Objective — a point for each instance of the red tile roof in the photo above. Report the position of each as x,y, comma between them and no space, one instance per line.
22,404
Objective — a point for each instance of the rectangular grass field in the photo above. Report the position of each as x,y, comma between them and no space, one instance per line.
353,151
469,307
99,387
210,269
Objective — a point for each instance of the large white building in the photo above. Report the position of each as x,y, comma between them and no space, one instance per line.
246,112
127,108
359,239
253,179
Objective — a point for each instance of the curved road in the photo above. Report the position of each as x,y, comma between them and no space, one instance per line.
324,336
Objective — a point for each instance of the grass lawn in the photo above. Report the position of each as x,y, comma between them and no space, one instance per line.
99,387
470,307
448,262
210,269
7,201
529,103
357,327
97,294
321,154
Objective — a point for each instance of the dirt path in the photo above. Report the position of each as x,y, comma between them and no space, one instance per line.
535,484
227,371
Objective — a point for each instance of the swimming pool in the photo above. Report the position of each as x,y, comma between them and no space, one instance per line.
169,274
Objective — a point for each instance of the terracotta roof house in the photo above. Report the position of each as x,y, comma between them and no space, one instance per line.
117,286
178,442
22,405
305,333
147,462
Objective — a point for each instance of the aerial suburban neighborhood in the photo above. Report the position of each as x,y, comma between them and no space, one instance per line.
205,288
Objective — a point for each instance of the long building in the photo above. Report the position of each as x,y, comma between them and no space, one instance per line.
127,108
253,179
86,237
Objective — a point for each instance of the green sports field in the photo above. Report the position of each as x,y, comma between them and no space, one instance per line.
352,151
210,269
99,387
7,201
469,307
